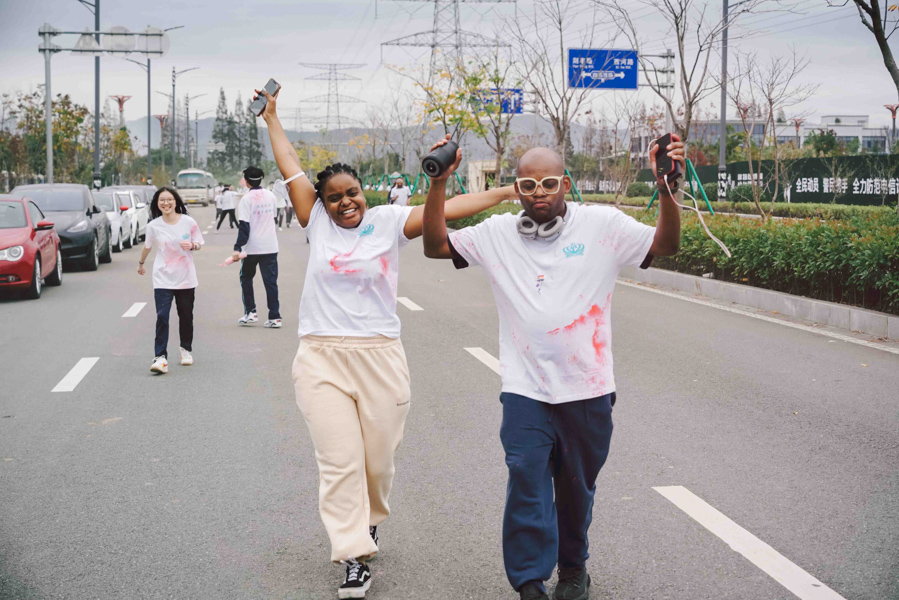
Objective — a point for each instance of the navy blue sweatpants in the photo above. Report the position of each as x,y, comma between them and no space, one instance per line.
551,448
268,265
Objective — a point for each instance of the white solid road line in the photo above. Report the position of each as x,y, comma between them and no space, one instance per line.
837,336
135,309
74,377
408,303
762,555
485,357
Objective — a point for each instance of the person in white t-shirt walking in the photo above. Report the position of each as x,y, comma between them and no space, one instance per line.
399,194
552,269
175,235
258,238
280,192
227,205
350,372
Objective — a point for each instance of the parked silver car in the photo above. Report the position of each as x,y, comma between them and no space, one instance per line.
116,205
139,207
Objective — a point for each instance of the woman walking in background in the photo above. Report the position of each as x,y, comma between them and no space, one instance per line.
350,372
175,235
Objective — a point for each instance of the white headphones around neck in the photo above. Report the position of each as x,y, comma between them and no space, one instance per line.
530,229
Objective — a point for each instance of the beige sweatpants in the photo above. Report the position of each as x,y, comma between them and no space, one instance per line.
354,394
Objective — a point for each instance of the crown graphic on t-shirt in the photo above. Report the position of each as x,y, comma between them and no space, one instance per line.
367,230
573,250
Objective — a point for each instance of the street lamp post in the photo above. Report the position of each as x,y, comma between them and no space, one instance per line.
187,99
797,123
161,119
175,75
892,108
722,135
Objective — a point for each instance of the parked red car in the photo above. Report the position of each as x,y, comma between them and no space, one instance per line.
29,247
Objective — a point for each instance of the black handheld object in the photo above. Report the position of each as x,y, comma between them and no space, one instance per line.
258,105
440,159
665,165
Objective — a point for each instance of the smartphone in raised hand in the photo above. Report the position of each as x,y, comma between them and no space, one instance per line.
258,105
665,165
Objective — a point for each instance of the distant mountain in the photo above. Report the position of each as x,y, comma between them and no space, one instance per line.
533,126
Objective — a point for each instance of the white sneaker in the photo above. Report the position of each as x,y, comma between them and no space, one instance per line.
281,228
186,358
160,365
250,317
272,324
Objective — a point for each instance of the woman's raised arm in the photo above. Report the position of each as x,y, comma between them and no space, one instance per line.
302,193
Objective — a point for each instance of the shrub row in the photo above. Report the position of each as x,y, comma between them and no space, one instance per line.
853,261
801,210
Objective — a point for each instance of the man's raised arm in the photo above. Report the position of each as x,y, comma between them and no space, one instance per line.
436,241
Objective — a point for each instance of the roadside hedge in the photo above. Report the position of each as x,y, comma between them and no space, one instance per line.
638,189
852,261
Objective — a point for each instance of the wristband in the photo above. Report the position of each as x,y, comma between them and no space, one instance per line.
291,178
140,263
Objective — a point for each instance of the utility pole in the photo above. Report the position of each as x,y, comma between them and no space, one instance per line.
446,32
47,49
175,75
333,98
722,135
187,99
161,119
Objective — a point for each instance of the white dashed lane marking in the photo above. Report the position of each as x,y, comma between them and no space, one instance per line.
134,310
769,560
485,357
74,377
408,303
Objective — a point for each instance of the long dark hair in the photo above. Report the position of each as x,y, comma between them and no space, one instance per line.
329,172
154,203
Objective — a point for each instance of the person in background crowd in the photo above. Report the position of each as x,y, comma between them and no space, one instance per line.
553,268
258,238
175,235
280,192
227,207
350,372
399,194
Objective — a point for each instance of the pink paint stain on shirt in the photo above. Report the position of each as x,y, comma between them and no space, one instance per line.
385,265
593,319
342,269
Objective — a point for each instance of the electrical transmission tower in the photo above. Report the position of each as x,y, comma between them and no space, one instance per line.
121,100
446,32
333,98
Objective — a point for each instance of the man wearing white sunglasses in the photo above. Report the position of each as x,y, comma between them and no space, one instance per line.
553,268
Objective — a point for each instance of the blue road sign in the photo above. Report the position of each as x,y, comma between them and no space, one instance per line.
511,98
602,69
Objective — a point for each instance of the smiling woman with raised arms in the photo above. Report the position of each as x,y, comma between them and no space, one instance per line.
350,372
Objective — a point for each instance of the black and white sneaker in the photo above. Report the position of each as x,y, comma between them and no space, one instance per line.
373,532
357,581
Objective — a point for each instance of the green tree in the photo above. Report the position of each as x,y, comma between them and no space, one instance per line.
218,159
253,147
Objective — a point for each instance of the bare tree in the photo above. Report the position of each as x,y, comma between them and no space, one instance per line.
745,96
623,116
876,18
541,38
777,86
400,119
694,32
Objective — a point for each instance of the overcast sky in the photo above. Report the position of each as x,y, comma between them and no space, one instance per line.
239,44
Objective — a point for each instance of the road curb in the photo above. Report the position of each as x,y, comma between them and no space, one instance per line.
875,323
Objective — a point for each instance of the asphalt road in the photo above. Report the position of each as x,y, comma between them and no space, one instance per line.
202,483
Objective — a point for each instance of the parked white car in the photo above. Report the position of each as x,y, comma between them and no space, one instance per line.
137,198
116,205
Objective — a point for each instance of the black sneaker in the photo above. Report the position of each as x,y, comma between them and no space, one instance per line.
532,591
357,581
574,584
373,532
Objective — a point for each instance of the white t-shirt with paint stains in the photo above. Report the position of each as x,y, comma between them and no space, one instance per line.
257,208
351,278
554,298
173,267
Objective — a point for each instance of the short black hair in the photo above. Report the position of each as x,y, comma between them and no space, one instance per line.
252,174
329,172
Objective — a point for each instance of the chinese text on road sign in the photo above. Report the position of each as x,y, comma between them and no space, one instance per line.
602,69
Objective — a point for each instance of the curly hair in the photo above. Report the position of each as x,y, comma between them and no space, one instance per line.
330,171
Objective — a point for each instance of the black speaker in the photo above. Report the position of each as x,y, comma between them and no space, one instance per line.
441,159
